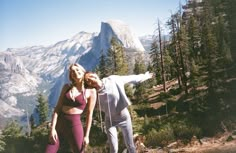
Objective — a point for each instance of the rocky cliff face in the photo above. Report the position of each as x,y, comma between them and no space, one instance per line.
15,79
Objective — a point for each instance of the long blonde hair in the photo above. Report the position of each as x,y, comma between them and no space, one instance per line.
70,73
73,81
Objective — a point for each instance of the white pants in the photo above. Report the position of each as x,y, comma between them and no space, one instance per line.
122,121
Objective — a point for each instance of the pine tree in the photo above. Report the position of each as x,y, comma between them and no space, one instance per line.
194,44
209,47
223,41
151,82
155,59
174,51
169,64
183,49
194,39
32,121
12,129
230,10
102,67
11,135
139,67
161,46
2,144
116,58
42,108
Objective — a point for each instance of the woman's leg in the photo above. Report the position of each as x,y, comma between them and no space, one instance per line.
75,135
127,131
113,139
76,141
60,127
52,148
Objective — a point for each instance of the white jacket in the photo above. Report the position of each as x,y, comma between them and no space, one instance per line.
112,97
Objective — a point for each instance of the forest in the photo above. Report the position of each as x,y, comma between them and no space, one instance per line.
191,96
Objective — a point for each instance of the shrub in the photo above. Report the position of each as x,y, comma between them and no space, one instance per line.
164,95
148,125
161,137
175,91
97,137
185,132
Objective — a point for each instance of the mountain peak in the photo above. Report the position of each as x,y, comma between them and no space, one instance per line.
123,32
116,23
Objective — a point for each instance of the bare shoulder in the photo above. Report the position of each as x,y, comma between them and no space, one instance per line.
65,87
91,92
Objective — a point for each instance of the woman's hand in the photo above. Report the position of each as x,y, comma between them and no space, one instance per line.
149,75
86,141
53,136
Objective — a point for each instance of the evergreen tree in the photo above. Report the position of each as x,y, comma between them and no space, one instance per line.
116,58
151,82
12,129
223,41
102,67
155,59
110,61
42,108
183,48
209,47
169,64
11,135
161,46
32,121
230,10
174,50
139,67
194,44
2,144
194,39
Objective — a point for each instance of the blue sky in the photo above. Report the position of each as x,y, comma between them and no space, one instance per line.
44,22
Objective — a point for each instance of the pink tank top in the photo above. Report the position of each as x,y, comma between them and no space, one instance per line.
80,101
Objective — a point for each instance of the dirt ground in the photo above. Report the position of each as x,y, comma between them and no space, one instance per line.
207,145
217,147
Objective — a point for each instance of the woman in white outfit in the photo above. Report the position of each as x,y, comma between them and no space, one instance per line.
114,101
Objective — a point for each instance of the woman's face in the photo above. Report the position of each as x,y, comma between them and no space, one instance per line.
91,80
76,72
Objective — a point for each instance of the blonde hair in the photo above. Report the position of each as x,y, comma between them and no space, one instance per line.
73,81
70,72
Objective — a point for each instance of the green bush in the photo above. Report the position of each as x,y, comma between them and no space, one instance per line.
175,91
39,139
160,138
185,132
164,95
2,144
97,137
148,125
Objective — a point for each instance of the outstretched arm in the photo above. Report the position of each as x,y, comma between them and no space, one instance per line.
91,101
136,78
